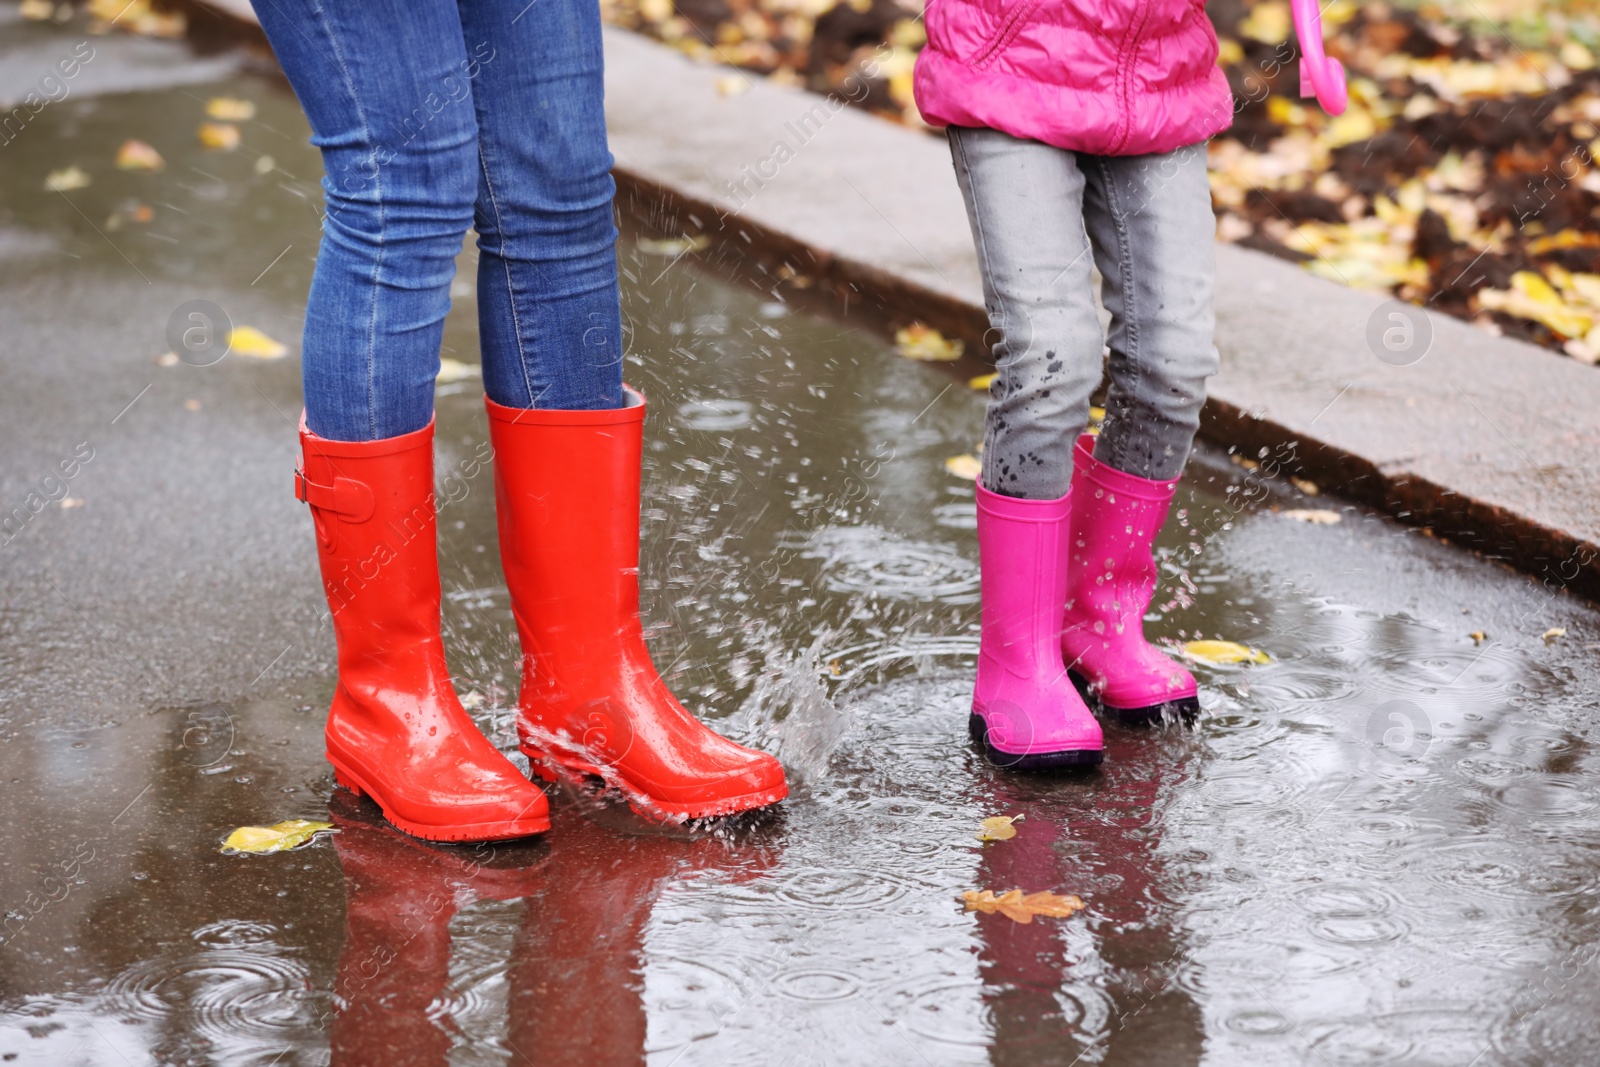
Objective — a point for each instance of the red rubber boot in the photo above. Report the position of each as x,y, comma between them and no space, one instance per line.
396,730
567,491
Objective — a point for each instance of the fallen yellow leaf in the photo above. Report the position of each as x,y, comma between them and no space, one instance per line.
1318,516
732,85
1554,632
998,828
1268,22
964,466
982,381
249,341
927,344
136,155
230,109
219,135
1220,653
673,246
66,179
453,370
1478,637
1018,908
279,837
36,10
1309,488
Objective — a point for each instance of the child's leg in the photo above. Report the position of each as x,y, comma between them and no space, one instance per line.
1025,204
1025,201
1150,217
1154,236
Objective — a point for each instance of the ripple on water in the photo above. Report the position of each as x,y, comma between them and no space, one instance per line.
1546,797
1477,867
690,1000
841,889
872,561
817,984
957,515
240,988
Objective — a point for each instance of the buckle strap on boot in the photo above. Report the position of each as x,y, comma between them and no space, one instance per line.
349,499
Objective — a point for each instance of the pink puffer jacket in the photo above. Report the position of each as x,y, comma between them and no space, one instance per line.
1110,77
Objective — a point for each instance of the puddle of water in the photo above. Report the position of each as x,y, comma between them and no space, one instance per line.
1378,848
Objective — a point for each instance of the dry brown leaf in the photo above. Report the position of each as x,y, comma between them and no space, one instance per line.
998,828
927,344
230,109
219,135
66,179
1221,653
136,155
1019,908
1317,516
964,466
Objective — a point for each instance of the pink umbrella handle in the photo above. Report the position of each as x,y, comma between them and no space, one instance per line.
1319,75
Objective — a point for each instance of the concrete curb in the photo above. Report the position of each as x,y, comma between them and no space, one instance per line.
1487,441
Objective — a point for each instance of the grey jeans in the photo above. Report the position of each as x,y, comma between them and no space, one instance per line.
1041,216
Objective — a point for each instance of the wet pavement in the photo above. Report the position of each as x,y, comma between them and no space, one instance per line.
1379,848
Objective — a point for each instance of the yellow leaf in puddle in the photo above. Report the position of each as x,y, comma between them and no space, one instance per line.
279,837
998,828
1554,632
66,179
249,341
982,381
1316,516
924,343
732,85
1222,653
453,370
136,155
230,109
1309,488
964,466
673,246
219,135
1019,908
1478,637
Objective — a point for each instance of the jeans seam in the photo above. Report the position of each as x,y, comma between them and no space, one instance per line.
505,260
377,263
1130,313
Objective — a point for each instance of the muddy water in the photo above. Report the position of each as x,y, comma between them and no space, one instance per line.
1378,848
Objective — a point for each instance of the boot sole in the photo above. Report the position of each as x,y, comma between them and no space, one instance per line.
484,831
554,767
1184,709
1030,761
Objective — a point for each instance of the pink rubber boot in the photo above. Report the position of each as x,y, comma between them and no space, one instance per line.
1110,580
1025,713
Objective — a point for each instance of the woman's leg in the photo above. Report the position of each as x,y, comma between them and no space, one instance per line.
548,308
1154,234
1025,203
385,85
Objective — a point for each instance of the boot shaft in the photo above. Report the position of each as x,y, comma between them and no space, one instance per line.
377,538
1116,519
1022,552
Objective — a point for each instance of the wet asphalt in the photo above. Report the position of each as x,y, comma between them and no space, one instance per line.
1378,848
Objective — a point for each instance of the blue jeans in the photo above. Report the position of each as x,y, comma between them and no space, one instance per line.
1042,217
433,116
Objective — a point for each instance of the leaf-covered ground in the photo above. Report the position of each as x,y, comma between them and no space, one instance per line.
1462,177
